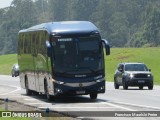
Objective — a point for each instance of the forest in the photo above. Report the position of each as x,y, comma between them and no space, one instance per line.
124,23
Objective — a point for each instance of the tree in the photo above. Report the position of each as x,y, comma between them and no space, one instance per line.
152,24
58,10
118,27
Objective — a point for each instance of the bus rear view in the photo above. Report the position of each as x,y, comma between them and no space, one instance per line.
75,52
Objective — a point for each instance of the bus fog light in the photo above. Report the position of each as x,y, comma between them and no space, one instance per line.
101,88
58,90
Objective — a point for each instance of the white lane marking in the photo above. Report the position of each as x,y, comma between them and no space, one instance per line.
136,105
117,106
29,99
76,107
143,92
38,103
150,95
110,104
17,89
59,103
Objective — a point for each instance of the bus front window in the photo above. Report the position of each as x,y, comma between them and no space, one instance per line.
77,55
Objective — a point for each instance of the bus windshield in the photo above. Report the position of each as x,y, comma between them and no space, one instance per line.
77,55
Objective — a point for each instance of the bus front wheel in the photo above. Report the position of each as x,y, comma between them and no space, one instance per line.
49,97
93,96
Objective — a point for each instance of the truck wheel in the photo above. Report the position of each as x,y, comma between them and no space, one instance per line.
150,86
140,87
125,86
116,86
12,75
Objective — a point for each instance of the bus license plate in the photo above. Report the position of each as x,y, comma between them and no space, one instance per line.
80,92
141,81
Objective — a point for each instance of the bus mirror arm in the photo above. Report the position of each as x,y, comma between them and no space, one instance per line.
107,46
49,51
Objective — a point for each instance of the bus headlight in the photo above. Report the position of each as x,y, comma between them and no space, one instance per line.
98,77
100,80
59,82
58,90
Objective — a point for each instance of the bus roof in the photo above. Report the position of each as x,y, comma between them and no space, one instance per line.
64,27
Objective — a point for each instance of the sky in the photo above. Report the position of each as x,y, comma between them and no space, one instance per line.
5,3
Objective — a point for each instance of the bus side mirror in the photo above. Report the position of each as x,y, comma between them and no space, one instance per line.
48,45
107,46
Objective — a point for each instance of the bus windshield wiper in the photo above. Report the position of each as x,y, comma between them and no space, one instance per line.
87,68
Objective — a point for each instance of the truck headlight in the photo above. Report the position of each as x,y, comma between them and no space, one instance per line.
149,75
131,75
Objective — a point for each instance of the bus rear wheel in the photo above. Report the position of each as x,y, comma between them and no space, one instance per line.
28,91
93,96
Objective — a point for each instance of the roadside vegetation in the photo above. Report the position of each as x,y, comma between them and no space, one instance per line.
15,118
6,63
125,23
149,56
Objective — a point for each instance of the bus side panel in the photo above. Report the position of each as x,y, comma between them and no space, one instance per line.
35,65
26,60
20,59
22,81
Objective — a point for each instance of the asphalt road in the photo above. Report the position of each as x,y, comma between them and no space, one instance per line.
113,100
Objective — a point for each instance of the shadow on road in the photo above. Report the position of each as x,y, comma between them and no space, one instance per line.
66,99
135,89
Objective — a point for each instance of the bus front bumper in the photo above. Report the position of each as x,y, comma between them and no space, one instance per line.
80,88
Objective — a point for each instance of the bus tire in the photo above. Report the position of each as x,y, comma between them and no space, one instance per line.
93,96
35,93
48,96
28,91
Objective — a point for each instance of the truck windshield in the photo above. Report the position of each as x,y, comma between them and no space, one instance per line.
136,67
77,55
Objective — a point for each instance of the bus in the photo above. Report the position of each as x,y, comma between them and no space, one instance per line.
62,58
